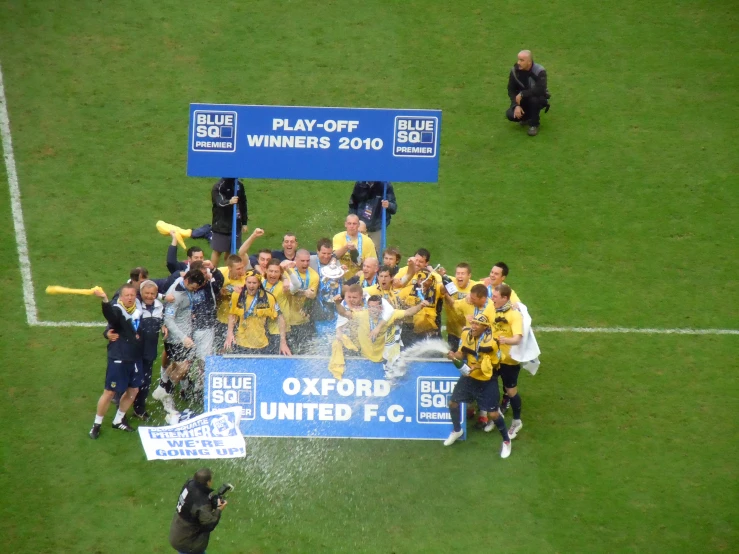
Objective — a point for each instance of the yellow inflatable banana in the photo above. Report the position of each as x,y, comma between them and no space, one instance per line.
64,290
165,228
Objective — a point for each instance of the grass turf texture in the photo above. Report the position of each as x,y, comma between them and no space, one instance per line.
620,213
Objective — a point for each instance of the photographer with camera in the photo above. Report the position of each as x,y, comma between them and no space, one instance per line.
198,512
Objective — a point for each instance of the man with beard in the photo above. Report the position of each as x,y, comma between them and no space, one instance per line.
250,310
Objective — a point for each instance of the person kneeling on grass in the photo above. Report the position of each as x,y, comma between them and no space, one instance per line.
125,372
479,352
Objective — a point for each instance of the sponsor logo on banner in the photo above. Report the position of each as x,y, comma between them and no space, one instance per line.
212,435
235,389
214,131
415,136
296,400
433,395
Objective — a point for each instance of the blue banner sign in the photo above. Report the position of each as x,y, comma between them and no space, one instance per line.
298,397
309,143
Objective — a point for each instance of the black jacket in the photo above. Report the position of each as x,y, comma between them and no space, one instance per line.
223,212
203,302
366,202
173,264
194,519
152,318
166,283
531,83
129,347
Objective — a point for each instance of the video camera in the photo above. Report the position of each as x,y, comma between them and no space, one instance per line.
216,496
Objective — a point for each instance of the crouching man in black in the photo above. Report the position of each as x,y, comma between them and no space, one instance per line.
196,516
527,89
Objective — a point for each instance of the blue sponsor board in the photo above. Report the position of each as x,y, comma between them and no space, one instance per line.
294,142
298,397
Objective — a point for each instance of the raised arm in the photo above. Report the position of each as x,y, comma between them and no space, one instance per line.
244,250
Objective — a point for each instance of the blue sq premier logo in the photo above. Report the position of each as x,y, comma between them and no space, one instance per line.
230,389
415,136
213,131
432,399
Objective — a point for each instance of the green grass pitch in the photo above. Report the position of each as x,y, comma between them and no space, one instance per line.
621,213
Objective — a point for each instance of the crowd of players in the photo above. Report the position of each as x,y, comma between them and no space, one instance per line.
340,298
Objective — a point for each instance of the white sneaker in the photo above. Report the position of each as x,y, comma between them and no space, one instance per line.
515,427
505,450
168,404
159,393
490,426
453,436
172,418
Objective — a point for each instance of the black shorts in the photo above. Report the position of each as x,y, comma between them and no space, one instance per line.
300,337
273,346
178,353
509,375
222,243
123,375
244,351
485,393
221,330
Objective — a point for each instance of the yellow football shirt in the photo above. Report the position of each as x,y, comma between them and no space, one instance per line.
403,271
425,320
454,321
393,297
480,354
224,301
253,312
365,248
467,311
296,301
373,351
278,292
507,324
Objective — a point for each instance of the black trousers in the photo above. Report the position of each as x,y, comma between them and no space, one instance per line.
531,108
139,404
300,338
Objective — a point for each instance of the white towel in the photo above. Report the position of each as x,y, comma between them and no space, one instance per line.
527,351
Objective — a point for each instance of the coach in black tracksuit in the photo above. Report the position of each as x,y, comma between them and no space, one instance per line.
125,373
527,89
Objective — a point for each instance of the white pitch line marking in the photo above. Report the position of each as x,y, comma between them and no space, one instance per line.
15,204
29,297
636,330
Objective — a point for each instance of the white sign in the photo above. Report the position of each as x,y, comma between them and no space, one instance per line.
214,434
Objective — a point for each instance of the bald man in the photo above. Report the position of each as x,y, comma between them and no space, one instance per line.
352,248
527,89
